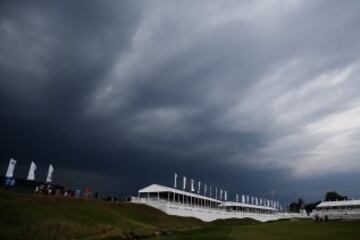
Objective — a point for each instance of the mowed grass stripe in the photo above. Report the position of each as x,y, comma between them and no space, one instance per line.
296,230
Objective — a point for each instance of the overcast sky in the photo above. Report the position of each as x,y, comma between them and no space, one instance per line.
251,96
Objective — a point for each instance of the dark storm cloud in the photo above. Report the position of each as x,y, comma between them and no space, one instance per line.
257,95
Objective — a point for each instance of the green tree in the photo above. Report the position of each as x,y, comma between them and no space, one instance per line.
334,196
296,206
311,206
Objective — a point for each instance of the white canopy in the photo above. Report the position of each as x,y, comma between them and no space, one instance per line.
339,203
154,188
239,204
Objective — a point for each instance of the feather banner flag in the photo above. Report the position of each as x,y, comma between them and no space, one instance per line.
11,168
184,182
31,174
175,180
50,174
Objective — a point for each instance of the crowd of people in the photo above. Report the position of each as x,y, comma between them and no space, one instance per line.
56,190
49,189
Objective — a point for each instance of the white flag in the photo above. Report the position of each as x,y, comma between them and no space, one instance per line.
243,198
192,185
11,168
205,189
199,187
175,180
225,195
184,182
50,174
221,193
237,197
31,174
216,193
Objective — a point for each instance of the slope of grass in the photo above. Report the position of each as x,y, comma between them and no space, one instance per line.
283,230
299,230
26,216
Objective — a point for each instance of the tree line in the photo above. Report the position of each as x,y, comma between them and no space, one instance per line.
300,204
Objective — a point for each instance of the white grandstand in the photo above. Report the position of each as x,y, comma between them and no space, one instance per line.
186,204
331,210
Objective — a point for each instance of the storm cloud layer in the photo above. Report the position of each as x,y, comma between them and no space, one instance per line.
253,96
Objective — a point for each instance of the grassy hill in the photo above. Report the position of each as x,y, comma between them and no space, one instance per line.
27,216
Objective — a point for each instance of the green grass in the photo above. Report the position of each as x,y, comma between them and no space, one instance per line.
282,230
297,230
27,216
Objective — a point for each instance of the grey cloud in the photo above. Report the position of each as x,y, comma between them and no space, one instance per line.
128,92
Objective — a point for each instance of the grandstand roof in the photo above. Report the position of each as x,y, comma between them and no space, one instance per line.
339,203
238,204
161,188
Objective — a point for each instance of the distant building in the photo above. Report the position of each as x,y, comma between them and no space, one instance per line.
331,210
